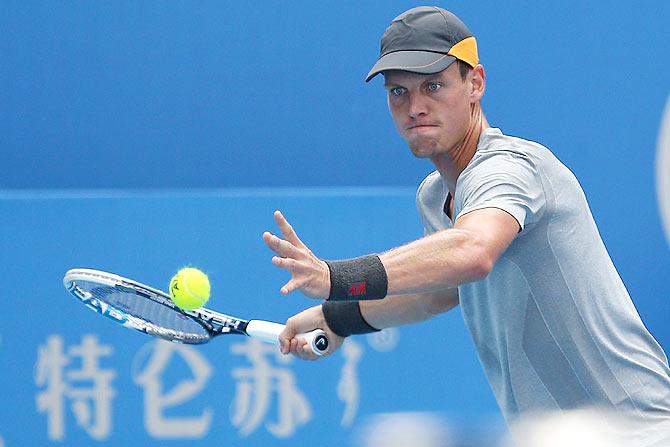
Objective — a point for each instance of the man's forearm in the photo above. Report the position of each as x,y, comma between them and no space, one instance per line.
445,259
405,309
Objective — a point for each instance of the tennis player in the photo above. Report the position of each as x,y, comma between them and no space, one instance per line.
509,237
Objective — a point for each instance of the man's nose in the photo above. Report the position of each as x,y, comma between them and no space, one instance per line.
417,105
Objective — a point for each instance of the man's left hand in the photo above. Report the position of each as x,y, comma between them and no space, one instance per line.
309,274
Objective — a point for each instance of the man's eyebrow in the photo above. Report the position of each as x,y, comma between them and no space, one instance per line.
427,78
388,84
433,78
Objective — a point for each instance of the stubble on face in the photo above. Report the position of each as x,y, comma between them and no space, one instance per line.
431,112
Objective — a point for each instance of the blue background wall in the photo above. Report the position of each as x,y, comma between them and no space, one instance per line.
222,235
164,110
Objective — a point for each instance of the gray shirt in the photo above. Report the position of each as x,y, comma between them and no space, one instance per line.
553,324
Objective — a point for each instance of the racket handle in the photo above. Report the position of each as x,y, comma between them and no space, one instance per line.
269,332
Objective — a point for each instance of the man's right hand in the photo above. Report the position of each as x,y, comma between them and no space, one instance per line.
303,322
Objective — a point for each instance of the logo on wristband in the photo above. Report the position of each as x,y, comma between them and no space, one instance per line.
357,289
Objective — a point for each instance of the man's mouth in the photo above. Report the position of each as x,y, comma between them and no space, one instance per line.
416,126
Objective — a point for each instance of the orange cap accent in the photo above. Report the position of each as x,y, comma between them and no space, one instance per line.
466,50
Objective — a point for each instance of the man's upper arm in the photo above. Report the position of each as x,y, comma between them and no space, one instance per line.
494,228
505,180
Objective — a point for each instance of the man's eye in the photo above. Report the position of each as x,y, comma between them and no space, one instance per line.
433,87
397,91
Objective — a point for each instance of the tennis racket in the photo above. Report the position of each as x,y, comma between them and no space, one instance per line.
149,310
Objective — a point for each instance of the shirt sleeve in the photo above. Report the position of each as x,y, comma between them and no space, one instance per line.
505,180
430,199
421,208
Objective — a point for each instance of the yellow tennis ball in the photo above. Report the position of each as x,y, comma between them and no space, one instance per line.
189,288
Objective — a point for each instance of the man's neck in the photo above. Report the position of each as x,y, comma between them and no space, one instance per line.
451,164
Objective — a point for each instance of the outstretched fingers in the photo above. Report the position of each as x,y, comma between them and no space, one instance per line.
281,247
287,230
290,286
309,274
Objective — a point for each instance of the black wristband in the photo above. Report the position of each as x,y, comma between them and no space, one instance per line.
361,278
345,318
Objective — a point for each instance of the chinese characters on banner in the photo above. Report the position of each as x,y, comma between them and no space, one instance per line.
73,376
267,393
258,383
157,399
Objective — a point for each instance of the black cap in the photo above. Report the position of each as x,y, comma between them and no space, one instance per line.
426,40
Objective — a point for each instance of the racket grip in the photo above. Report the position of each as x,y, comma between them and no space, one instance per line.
269,333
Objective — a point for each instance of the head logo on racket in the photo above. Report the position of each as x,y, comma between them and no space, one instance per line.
321,342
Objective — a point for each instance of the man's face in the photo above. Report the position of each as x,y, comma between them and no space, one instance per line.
431,112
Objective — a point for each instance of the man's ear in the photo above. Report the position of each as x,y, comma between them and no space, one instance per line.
477,78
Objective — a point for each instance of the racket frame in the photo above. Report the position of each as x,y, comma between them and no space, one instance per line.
214,323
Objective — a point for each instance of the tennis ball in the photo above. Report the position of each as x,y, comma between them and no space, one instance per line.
189,288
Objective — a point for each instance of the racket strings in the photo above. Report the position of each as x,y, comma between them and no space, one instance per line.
156,318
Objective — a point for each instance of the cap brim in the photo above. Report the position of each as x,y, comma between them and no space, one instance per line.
423,62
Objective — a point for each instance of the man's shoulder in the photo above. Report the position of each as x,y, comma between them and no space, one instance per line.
499,154
494,143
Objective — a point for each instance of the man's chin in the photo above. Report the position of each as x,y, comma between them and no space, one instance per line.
422,152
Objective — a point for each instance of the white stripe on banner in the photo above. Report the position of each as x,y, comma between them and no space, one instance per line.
663,170
74,194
